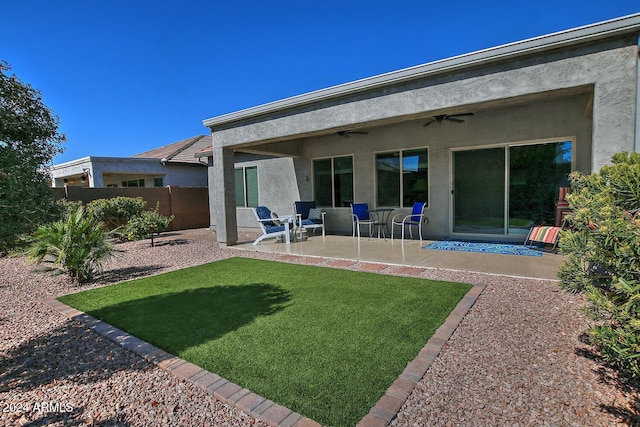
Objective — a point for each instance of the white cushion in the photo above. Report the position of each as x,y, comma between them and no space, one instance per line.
274,219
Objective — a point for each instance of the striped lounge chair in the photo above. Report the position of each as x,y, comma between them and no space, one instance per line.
546,234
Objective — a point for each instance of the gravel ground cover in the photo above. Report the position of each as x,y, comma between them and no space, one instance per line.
518,357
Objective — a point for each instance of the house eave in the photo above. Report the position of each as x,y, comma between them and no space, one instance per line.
93,159
585,34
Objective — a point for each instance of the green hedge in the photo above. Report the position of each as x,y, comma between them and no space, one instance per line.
603,257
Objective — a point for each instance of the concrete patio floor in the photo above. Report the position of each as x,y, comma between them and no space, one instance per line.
410,253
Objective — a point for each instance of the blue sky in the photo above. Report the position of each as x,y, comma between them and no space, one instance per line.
128,76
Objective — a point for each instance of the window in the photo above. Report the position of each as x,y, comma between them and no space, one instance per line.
247,187
402,176
133,183
333,181
158,182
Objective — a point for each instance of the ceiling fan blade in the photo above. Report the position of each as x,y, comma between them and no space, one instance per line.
428,123
453,119
348,133
461,114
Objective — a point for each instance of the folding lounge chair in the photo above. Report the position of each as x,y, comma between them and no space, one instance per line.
308,216
416,219
272,226
562,206
546,234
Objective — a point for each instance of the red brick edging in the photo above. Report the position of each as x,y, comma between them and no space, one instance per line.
388,406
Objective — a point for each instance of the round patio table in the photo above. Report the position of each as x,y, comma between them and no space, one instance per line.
380,217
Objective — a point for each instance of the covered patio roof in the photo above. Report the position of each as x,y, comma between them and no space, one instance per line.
523,91
590,33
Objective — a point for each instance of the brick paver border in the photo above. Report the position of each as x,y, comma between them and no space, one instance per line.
388,406
261,408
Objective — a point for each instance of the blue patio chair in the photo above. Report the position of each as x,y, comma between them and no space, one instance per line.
360,215
308,216
416,219
272,225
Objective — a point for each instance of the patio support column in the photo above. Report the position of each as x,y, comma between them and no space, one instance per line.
637,143
225,194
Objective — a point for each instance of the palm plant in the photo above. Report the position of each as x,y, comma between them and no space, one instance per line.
77,245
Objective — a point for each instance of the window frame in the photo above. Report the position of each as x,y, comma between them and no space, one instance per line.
401,156
508,230
245,187
142,181
333,178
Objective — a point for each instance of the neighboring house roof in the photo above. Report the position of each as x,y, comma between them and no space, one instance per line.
184,151
589,33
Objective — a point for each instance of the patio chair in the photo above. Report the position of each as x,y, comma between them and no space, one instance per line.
545,234
308,216
416,219
272,225
562,206
360,215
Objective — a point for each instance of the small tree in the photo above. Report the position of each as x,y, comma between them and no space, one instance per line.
117,211
127,217
603,256
78,245
29,140
146,224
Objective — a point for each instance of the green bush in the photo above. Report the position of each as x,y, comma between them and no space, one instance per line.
603,257
147,222
117,211
29,141
128,217
78,245
63,207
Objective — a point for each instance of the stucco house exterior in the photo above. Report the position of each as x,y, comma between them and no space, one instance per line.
174,164
486,138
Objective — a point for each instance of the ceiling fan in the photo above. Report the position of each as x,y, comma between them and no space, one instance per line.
451,117
348,133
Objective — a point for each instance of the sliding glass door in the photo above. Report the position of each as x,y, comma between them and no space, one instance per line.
479,191
505,190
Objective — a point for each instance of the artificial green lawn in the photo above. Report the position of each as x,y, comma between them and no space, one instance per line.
323,342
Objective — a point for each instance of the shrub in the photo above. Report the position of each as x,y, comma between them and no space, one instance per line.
603,257
63,207
78,245
117,211
147,222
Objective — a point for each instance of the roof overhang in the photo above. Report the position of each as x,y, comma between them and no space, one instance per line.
93,159
585,34
204,153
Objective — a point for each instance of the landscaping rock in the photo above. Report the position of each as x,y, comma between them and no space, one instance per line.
518,357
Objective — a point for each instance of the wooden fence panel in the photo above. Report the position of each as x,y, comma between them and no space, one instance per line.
189,205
